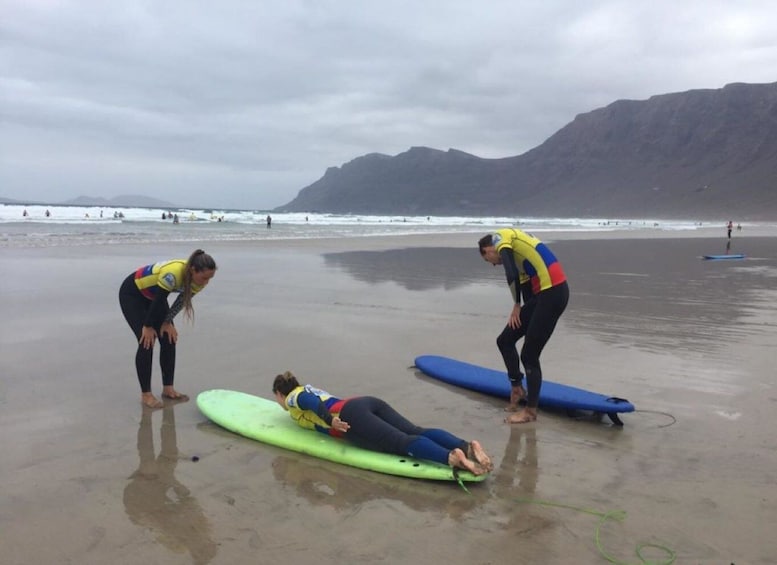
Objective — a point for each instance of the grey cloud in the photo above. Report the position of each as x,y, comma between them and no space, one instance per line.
260,98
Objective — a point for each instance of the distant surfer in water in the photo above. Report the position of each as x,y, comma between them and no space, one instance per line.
371,423
143,300
534,273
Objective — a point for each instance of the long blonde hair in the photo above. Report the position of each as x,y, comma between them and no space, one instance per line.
198,261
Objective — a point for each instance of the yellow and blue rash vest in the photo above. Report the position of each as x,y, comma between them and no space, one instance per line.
304,405
167,276
535,261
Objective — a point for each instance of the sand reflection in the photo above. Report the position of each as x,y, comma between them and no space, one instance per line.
518,471
155,499
346,489
421,268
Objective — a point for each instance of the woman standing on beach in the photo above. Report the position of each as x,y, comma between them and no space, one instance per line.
534,272
143,300
371,423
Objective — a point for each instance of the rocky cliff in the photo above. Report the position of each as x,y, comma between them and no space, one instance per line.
701,153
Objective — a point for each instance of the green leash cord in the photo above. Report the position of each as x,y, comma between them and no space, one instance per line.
458,480
618,516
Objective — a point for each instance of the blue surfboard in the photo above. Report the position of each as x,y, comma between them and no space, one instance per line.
721,257
496,383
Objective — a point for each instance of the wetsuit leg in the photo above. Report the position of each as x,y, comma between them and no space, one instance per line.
134,306
445,439
550,304
509,337
167,360
424,448
376,425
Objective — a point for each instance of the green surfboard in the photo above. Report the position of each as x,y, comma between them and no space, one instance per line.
264,420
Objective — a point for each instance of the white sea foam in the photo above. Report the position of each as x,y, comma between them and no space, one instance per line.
74,225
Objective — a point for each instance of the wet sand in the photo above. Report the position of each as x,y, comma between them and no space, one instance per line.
90,477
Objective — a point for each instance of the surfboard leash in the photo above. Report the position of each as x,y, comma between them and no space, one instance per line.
667,414
615,515
458,480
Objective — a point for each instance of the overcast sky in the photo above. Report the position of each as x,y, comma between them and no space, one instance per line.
241,104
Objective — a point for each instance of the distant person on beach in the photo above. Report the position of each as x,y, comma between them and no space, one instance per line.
371,423
534,273
143,300
269,222
48,213
729,227
24,214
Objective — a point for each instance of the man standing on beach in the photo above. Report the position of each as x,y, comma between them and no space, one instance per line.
532,271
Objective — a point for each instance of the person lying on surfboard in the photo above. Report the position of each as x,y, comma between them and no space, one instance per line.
371,423
531,269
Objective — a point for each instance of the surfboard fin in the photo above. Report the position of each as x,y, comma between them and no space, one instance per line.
615,419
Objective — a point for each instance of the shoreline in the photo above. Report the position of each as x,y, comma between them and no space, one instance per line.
150,230
461,238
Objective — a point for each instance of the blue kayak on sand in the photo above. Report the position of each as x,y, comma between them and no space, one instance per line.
496,383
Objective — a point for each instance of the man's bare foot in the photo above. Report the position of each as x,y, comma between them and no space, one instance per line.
476,453
517,395
458,460
170,393
523,417
150,401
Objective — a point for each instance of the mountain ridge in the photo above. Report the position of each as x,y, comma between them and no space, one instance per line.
699,153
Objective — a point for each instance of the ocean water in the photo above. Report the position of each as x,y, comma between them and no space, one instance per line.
94,225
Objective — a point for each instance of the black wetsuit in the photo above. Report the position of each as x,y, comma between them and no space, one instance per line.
374,424
539,316
139,311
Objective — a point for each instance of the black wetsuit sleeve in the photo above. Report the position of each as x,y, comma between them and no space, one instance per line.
158,311
511,273
174,309
309,401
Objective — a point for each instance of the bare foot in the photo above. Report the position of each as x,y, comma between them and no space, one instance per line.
517,395
523,417
150,401
170,393
458,460
476,452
